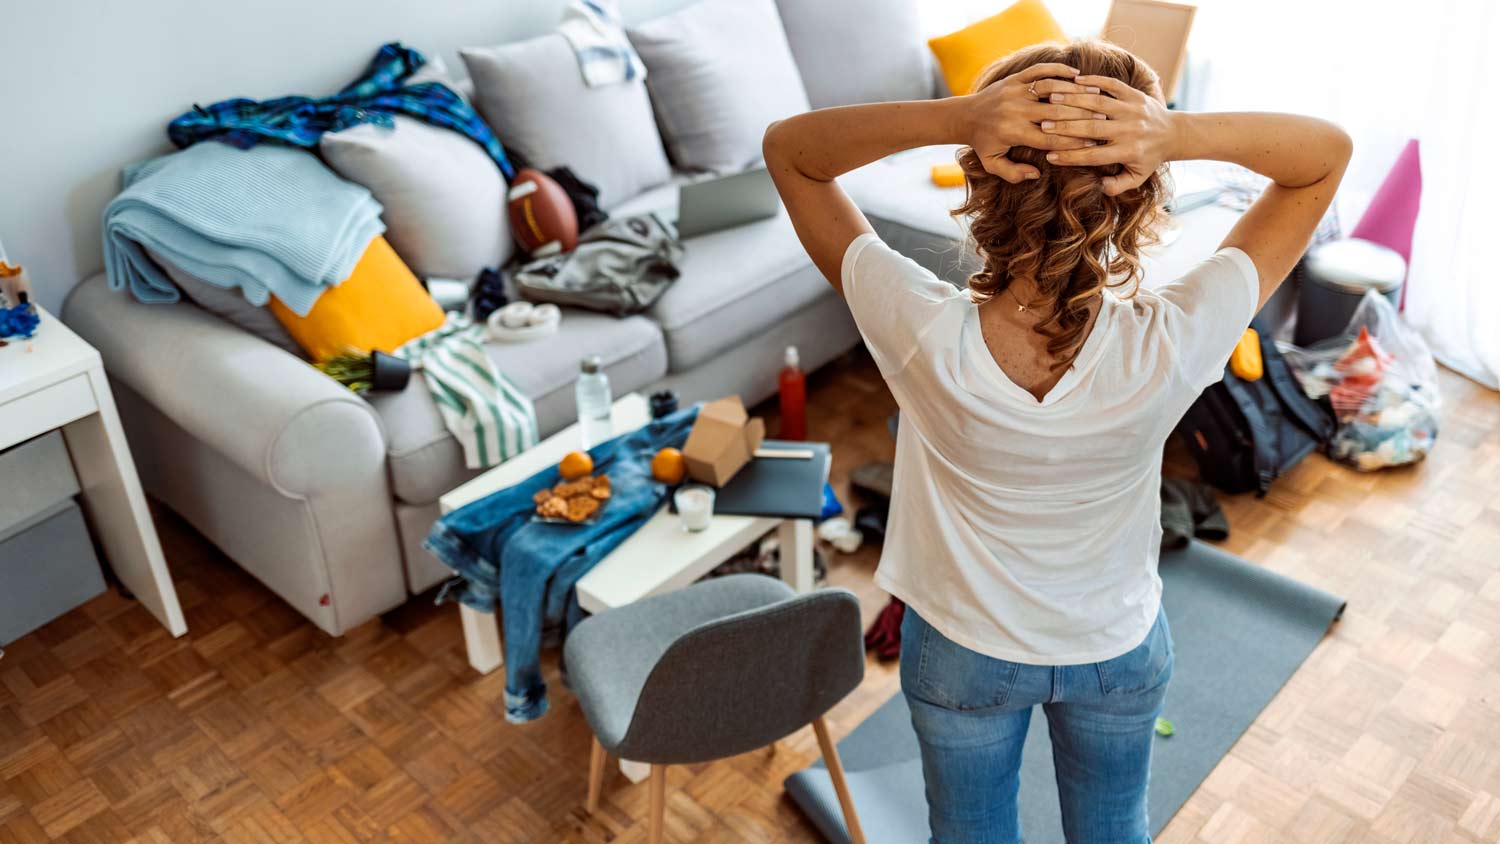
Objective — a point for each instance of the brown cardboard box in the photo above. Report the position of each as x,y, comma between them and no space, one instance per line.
723,439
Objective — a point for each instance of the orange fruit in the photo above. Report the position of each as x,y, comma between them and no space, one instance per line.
668,466
575,464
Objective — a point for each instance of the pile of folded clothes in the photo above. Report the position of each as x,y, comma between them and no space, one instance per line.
269,220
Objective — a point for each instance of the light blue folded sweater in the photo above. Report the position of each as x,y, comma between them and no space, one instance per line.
268,220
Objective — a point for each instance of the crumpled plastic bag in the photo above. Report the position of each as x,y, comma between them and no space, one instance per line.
1381,380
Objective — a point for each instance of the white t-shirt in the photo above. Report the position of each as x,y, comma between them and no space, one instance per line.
1029,531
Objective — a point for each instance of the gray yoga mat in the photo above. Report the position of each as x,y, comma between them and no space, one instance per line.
1240,632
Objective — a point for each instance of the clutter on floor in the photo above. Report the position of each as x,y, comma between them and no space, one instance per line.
884,634
1190,511
764,557
1381,381
1239,632
1243,433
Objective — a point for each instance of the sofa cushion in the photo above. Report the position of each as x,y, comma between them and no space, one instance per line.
425,461
858,51
719,72
442,194
532,94
964,54
380,306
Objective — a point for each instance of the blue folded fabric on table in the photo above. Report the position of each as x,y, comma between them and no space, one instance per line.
268,220
531,567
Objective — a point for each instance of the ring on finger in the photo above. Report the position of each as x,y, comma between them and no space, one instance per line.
1031,89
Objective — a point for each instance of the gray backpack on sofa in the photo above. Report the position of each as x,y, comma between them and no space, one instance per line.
620,266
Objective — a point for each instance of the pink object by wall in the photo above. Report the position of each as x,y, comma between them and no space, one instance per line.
1391,216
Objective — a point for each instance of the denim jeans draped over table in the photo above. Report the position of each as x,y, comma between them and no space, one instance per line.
530,568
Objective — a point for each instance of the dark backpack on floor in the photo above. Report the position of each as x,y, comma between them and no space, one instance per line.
1246,433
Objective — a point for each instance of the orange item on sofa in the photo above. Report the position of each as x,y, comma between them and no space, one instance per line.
948,175
380,306
963,54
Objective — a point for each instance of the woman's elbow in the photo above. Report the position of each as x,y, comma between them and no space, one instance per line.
773,141
1340,144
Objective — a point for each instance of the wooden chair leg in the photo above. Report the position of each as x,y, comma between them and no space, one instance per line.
658,804
597,760
840,787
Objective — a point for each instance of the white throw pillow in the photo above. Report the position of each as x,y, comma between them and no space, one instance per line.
719,72
533,95
858,51
444,197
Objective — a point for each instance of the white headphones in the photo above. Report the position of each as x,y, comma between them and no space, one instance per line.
521,321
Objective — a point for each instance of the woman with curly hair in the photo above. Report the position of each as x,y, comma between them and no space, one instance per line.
1024,528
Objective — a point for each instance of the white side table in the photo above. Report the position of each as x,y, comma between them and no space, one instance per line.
56,380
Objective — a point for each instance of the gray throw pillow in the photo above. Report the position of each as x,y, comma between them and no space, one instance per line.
719,72
229,305
858,51
533,95
443,195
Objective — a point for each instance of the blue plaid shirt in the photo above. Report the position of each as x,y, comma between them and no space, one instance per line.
372,98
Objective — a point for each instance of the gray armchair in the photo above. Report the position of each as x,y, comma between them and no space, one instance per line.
711,671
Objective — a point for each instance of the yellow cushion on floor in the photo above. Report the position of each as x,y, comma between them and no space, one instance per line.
963,54
381,305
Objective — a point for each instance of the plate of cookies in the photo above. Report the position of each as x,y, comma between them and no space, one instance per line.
573,502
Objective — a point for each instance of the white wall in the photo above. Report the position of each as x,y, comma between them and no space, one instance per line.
87,87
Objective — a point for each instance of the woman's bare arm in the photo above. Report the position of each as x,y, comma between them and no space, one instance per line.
1304,158
807,152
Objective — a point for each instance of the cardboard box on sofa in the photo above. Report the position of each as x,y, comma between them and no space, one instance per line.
723,439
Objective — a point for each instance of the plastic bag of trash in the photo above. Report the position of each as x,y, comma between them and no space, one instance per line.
1381,380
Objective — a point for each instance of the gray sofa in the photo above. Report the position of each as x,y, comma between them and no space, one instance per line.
326,496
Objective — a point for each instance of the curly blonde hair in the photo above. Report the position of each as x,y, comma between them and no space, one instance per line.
1061,231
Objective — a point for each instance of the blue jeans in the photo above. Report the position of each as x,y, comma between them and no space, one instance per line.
531,568
971,713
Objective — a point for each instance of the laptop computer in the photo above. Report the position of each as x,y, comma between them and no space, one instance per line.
725,201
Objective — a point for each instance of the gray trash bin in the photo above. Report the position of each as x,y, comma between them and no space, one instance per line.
1335,277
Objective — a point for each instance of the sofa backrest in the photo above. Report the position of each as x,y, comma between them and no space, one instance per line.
858,51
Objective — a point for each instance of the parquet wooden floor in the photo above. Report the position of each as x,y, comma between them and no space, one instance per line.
258,729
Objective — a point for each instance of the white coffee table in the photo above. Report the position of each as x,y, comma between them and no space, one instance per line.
659,557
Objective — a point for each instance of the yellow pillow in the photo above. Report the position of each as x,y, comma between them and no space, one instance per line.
381,305
963,54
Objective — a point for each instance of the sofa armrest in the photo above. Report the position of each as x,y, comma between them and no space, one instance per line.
271,414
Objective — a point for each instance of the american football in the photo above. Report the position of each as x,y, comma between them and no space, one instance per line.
541,214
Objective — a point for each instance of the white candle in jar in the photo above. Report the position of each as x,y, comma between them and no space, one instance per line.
695,506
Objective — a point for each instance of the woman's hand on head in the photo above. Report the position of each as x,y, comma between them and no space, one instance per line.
1139,134
1009,113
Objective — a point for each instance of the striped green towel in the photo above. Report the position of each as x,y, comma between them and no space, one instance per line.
484,411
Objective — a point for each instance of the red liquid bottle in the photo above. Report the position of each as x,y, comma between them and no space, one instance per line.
792,386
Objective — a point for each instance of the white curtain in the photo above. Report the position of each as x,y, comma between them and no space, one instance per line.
1387,71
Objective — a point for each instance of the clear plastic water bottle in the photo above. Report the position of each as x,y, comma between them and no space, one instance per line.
594,399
